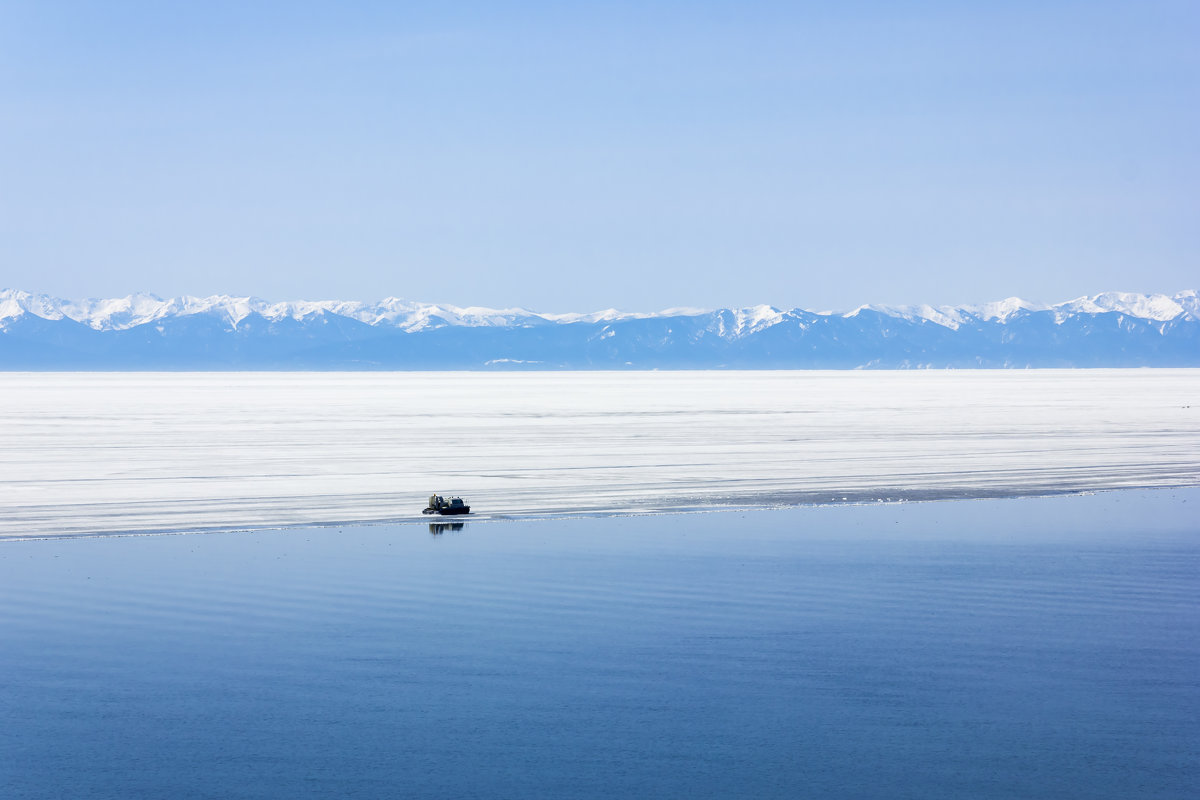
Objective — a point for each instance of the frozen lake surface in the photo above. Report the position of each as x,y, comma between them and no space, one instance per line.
89,453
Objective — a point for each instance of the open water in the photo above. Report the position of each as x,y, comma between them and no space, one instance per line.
1021,648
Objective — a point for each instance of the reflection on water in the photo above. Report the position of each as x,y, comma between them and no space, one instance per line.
438,528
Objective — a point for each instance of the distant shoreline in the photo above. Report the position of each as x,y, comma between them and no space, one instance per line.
232,370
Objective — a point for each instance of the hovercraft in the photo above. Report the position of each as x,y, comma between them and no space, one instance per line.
440,505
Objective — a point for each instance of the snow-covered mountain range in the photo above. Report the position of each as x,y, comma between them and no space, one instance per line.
222,332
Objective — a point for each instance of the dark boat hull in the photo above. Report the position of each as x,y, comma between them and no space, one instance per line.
448,512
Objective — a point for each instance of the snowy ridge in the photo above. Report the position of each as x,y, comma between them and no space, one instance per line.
746,321
140,309
1156,307
144,332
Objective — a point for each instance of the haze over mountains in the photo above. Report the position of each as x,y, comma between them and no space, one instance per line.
143,332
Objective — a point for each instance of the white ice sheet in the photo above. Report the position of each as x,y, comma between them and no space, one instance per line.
87,453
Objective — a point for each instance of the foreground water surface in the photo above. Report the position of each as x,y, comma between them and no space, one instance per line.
1038,647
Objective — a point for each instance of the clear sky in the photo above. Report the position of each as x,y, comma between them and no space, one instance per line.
577,156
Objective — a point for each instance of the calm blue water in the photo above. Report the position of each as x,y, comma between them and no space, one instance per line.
984,649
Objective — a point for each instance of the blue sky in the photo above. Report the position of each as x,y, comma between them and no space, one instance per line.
581,156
